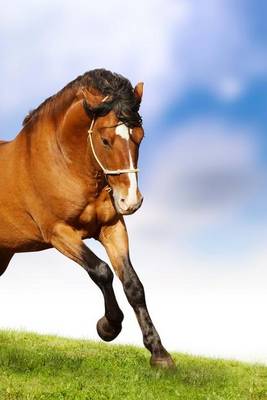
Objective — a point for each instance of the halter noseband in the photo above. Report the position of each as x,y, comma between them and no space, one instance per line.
105,170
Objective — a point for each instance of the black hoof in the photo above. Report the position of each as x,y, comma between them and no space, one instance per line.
106,330
165,362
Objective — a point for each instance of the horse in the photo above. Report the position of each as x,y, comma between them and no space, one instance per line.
71,174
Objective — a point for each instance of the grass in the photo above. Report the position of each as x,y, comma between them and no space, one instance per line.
47,367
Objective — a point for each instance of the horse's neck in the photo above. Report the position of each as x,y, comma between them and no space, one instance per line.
61,139
64,165
72,137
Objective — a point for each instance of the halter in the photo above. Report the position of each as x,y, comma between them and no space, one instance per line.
105,170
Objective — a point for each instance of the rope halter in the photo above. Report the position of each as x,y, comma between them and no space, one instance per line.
105,170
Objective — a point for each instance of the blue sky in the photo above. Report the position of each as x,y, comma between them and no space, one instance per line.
203,163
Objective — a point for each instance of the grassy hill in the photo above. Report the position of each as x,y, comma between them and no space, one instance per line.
47,367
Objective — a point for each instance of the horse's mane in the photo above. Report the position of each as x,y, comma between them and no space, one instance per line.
119,89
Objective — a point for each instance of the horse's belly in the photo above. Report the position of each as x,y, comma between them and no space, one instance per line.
19,233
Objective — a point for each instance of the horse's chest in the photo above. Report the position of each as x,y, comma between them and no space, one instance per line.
97,213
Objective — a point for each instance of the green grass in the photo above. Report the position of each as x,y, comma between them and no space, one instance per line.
48,367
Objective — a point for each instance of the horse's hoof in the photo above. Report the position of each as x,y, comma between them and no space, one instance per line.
165,362
106,330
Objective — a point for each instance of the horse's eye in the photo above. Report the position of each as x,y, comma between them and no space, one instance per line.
105,142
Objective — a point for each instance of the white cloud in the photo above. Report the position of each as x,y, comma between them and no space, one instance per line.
206,173
216,50
49,48
230,88
171,46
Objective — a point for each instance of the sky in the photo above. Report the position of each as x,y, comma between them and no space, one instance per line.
199,241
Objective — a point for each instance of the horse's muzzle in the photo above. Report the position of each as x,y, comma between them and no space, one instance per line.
124,207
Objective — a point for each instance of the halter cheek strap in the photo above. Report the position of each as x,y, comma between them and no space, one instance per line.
105,170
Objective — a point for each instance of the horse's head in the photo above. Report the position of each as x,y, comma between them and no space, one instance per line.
114,139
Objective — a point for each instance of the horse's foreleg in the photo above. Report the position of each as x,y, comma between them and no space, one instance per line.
68,241
5,257
115,240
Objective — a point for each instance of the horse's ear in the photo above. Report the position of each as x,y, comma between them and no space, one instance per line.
138,91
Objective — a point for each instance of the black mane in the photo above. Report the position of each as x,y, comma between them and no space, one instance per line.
122,99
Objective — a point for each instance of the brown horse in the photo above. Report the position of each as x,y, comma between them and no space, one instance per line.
71,174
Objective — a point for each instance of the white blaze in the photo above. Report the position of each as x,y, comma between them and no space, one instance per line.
124,132
132,191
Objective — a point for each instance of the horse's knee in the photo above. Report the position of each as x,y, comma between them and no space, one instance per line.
101,273
105,275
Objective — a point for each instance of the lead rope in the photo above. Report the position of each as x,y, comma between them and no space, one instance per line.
105,170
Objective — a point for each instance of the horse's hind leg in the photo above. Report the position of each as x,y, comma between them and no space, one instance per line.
5,257
68,241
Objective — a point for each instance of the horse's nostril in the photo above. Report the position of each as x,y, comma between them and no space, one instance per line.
122,200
